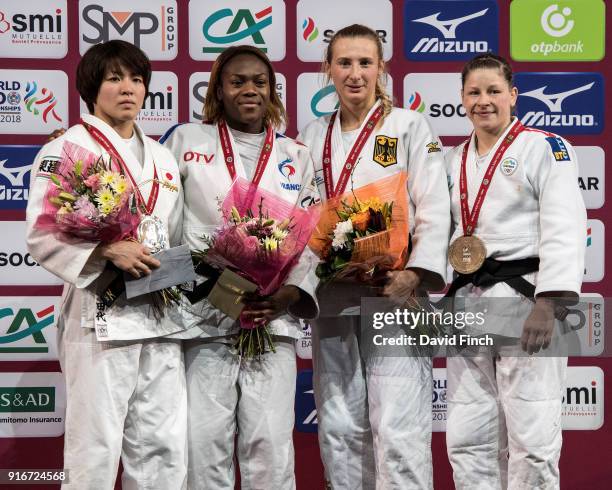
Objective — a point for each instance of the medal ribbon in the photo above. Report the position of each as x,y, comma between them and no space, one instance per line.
228,152
468,219
349,165
105,143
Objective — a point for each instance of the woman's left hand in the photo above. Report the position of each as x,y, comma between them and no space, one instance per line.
264,309
401,285
539,326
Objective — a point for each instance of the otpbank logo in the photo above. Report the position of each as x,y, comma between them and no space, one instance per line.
563,103
563,30
26,328
260,23
149,24
440,30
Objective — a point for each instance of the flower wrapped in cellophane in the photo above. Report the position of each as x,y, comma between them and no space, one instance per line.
363,233
261,239
89,198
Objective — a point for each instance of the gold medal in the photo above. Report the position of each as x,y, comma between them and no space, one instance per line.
467,254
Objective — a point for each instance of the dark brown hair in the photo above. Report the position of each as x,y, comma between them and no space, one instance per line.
488,60
111,55
213,107
359,30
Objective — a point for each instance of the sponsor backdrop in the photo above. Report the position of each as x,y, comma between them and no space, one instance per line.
558,49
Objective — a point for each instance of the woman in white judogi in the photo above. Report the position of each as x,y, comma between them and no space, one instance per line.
504,409
125,384
227,393
374,412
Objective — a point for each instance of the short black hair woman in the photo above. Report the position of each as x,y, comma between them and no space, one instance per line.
125,382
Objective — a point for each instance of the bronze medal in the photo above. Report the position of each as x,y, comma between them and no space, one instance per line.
467,254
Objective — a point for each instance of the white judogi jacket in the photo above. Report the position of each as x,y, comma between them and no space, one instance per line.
533,209
206,181
419,153
74,260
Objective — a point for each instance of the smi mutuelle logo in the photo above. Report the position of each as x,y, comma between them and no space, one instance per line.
442,30
563,103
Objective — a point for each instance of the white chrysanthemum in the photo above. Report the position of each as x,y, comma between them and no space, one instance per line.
343,228
279,234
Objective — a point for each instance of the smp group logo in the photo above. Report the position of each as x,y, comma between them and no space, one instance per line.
586,321
303,345
305,409
563,30
32,404
33,29
17,267
32,101
594,259
149,24
260,23
583,398
432,94
317,97
439,407
318,20
15,165
198,85
563,103
27,330
591,179
443,30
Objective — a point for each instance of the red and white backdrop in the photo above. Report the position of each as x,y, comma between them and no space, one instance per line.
557,48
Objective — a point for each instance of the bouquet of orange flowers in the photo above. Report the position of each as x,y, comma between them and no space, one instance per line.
363,233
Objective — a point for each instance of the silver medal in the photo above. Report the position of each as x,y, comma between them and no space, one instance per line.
152,233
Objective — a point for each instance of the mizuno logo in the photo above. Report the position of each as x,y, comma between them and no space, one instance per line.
14,175
554,101
448,27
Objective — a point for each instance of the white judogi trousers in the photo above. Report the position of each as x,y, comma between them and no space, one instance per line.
125,400
253,400
374,414
504,420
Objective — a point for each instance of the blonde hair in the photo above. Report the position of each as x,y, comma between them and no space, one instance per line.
359,30
213,109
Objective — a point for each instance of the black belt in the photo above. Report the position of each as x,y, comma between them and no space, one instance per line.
509,271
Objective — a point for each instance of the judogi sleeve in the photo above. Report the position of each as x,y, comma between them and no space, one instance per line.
303,273
563,219
428,191
74,260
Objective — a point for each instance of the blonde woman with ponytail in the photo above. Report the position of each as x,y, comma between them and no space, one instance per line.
374,412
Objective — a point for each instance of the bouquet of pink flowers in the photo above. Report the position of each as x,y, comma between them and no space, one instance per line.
261,239
89,198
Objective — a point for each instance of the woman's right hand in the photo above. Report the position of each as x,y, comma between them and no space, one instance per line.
130,256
